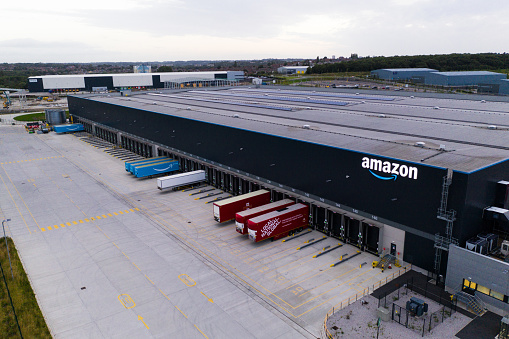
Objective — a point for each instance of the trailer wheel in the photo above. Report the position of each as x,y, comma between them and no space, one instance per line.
300,229
291,233
272,239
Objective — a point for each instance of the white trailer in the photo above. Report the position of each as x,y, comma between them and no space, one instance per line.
180,179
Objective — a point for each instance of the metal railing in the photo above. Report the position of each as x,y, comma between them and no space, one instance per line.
350,300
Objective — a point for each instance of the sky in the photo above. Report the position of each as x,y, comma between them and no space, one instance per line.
169,30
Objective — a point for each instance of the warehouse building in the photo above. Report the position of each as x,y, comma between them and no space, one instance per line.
500,87
292,70
401,73
472,78
102,82
402,176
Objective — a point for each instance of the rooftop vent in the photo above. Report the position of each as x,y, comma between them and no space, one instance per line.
412,97
109,96
128,99
357,93
308,98
236,116
381,115
266,95
308,107
436,107
442,147
306,127
483,101
154,103
363,102
420,144
188,108
492,127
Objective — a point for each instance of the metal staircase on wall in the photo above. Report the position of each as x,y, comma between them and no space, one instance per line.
472,302
385,259
449,216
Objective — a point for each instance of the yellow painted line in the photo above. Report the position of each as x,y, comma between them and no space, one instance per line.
180,311
81,221
127,211
141,318
120,212
75,222
15,204
125,255
49,228
55,226
187,280
104,216
115,245
149,279
98,217
136,267
126,301
68,223
87,220
137,209
43,230
297,283
110,215
115,213
164,295
92,218
62,225
131,210
201,331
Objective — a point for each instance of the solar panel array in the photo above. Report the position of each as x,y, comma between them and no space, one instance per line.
282,98
226,102
343,96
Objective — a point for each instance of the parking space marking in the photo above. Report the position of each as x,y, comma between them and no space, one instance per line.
15,204
98,217
18,161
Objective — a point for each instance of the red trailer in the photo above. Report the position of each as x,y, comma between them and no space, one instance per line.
241,218
279,224
224,210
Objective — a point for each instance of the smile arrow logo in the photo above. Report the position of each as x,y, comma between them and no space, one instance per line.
392,177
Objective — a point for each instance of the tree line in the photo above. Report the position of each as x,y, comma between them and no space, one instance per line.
441,62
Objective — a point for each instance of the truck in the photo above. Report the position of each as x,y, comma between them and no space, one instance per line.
144,164
241,218
224,210
31,127
279,224
129,164
180,179
156,168
68,128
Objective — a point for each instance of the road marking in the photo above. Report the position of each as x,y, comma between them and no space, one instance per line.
141,318
180,311
127,301
201,331
187,280
209,299
149,279
14,162
135,265
103,216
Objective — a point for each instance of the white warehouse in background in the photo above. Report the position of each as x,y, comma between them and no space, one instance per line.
292,69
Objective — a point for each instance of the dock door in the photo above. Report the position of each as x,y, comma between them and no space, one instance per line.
371,235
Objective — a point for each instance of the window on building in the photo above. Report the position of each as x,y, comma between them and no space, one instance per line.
497,295
483,289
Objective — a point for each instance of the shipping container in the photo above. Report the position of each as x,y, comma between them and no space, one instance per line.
68,128
241,218
146,163
128,164
156,168
279,224
225,210
180,179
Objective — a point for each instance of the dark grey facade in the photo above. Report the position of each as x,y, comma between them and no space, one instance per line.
400,73
345,198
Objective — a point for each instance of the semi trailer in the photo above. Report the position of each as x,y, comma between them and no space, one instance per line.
128,164
225,210
242,217
180,179
156,168
279,224
68,128
132,168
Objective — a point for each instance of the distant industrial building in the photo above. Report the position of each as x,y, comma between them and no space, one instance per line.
292,69
497,87
472,78
401,73
142,69
103,82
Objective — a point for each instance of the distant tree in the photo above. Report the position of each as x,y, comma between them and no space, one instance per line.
165,69
235,63
354,56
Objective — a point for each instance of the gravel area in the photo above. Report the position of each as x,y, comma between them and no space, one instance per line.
359,320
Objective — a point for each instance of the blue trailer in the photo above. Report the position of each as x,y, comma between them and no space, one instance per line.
146,163
128,164
156,168
68,128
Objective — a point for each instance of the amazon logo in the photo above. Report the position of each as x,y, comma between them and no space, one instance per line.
386,170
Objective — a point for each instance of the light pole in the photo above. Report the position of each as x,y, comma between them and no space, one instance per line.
7,246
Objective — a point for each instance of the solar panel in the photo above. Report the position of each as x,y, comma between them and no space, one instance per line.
226,102
331,95
282,98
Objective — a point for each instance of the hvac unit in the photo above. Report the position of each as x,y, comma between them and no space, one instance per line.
477,245
491,240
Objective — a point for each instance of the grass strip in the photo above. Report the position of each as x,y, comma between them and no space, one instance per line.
29,315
